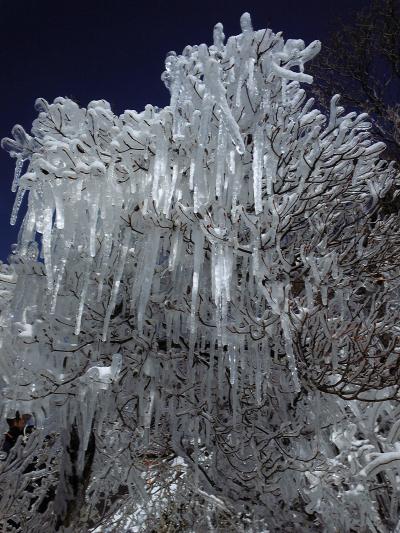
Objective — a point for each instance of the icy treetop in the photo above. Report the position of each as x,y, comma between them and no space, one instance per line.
211,252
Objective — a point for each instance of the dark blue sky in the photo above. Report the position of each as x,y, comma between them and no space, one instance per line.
115,50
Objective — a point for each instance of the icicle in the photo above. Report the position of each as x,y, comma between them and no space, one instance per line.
286,327
176,327
59,203
107,245
116,284
232,164
28,230
324,294
175,89
198,258
102,415
148,415
231,70
258,169
256,260
46,245
238,95
219,288
88,409
250,79
93,215
160,166
176,245
17,204
17,173
199,182
149,411
232,126
107,199
237,182
82,298
309,293
233,364
227,266
220,158
150,263
219,94
191,174
169,194
60,273
268,174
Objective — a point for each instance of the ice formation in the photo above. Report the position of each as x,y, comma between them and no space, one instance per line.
200,280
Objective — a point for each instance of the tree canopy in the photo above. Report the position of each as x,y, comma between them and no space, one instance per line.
202,309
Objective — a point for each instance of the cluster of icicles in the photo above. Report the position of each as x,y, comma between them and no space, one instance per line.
199,201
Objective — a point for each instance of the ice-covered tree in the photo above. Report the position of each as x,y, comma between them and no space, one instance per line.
202,308
361,61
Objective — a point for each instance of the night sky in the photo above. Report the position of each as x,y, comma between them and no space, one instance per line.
115,50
